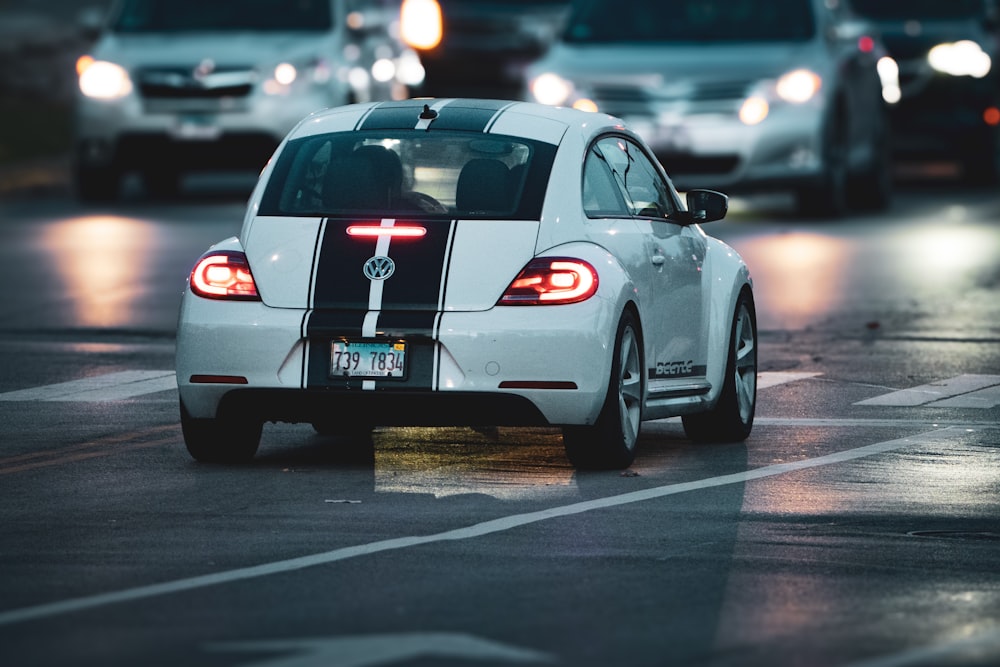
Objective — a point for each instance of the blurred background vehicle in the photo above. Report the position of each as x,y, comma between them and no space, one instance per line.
179,85
947,104
480,48
739,95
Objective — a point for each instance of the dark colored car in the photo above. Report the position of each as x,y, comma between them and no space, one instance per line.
486,44
948,54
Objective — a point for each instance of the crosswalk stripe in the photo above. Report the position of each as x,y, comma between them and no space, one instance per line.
773,379
938,393
984,398
108,387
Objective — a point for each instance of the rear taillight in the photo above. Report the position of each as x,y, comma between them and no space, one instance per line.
551,281
224,275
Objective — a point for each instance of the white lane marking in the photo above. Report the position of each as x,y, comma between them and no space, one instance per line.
935,391
940,436
109,387
932,655
129,384
982,399
765,380
387,649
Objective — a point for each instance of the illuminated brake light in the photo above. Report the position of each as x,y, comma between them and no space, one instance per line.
551,281
224,275
395,231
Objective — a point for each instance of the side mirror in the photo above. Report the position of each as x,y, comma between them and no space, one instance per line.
706,206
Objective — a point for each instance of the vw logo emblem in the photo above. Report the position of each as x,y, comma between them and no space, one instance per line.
379,268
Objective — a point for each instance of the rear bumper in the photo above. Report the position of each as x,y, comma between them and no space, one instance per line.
510,366
382,408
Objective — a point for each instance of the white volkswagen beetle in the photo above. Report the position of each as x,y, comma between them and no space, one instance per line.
468,262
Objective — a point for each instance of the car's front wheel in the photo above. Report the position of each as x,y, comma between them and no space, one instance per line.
610,442
219,440
97,184
827,197
732,417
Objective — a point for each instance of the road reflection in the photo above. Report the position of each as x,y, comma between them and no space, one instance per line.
799,277
100,261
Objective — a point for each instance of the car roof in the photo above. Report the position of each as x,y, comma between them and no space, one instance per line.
521,119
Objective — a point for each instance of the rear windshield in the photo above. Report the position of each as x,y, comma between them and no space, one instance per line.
904,10
628,21
136,16
393,173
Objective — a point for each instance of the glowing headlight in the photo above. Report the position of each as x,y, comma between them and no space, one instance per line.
383,70
285,73
551,89
888,74
965,58
754,110
798,86
420,23
409,70
104,80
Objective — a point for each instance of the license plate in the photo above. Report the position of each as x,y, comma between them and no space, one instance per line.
196,128
368,359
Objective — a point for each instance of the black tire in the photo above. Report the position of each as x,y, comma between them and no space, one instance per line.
609,444
827,198
871,190
981,164
331,428
731,420
97,184
162,183
220,440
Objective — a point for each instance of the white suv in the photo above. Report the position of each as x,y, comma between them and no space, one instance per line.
179,85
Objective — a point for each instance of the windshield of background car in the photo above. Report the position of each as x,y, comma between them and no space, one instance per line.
902,10
628,21
137,16
396,173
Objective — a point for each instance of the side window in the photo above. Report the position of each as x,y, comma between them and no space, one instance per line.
601,197
645,191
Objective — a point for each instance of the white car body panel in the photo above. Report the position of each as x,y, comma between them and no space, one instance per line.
681,284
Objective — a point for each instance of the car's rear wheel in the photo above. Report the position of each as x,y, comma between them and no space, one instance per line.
328,427
219,440
732,417
610,442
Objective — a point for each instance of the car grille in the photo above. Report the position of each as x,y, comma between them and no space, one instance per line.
172,88
702,91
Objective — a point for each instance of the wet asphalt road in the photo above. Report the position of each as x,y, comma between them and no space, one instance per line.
857,526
